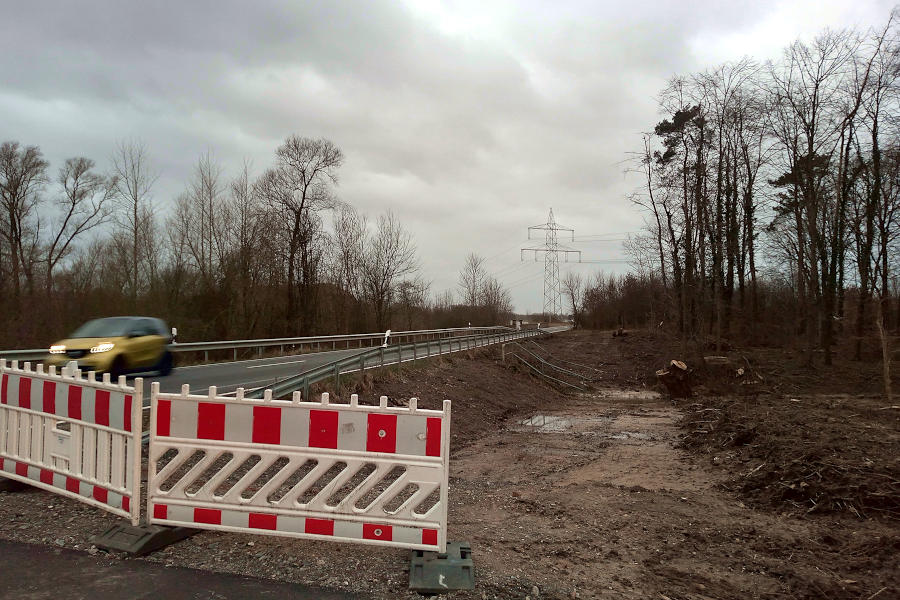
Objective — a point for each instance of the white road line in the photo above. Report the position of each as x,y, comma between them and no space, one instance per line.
290,362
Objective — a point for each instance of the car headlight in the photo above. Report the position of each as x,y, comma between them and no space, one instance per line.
104,347
57,349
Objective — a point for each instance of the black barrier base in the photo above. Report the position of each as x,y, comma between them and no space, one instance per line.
435,573
140,540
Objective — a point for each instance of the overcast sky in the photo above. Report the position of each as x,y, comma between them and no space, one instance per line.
468,119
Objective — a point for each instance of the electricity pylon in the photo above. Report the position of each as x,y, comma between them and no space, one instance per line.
551,250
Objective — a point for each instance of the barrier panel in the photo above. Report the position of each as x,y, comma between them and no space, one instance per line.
73,436
342,472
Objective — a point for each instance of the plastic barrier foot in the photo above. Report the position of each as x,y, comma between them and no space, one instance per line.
434,573
140,540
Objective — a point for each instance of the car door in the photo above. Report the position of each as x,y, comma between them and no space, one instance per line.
142,344
159,337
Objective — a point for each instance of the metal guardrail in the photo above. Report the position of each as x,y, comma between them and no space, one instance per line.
390,355
545,365
312,341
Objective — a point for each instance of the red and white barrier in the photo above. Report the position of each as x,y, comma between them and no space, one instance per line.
73,436
344,472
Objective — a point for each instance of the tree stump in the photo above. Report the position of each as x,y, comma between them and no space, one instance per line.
719,367
677,379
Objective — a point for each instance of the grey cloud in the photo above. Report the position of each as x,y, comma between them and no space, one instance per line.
469,138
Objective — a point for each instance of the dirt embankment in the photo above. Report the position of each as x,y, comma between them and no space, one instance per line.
613,493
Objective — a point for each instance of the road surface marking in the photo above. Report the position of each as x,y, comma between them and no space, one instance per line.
290,362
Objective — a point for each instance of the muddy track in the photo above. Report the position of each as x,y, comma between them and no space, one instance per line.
590,495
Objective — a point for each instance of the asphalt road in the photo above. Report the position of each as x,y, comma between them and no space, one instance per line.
264,372
32,572
228,376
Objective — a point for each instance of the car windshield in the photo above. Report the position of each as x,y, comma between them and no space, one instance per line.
110,327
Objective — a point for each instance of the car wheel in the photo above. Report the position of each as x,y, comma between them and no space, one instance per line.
166,363
117,368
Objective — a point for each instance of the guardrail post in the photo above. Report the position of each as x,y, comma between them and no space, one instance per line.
415,353
206,356
235,354
382,357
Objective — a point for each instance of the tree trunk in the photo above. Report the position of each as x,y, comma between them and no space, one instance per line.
885,350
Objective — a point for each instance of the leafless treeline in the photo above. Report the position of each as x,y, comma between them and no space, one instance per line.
242,256
772,194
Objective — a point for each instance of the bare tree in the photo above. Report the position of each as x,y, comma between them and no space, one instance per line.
298,187
390,257
134,182
245,231
22,178
412,295
347,260
197,219
573,287
84,205
496,303
471,279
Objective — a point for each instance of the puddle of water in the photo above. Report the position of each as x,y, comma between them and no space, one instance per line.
547,423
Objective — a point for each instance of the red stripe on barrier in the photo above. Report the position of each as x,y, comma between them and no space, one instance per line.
126,417
319,526
377,532
163,417
101,494
210,516
75,401
47,476
429,537
433,436
261,521
24,392
160,511
50,397
101,407
381,435
22,469
323,429
1,464
4,385
266,425
210,421
73,485
126,503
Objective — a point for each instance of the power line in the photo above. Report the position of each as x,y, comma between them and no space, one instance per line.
509,269
518,274
501,253
525,280
615,261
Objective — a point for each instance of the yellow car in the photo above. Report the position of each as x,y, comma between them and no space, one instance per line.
116,345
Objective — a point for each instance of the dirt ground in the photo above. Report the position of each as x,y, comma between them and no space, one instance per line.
616,492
